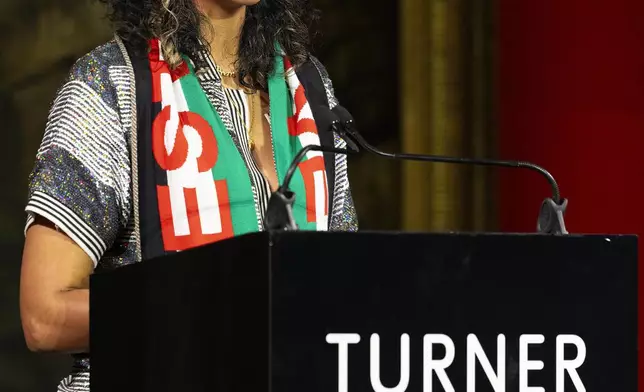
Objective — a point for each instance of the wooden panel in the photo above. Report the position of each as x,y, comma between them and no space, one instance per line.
446,110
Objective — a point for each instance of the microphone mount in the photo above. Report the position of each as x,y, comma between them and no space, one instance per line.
551,214
279,212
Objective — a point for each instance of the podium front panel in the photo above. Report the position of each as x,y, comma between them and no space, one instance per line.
451,294
193,321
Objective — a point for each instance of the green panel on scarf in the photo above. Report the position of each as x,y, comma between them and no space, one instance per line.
230,164
286,146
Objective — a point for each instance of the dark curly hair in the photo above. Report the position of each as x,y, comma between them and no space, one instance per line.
178,24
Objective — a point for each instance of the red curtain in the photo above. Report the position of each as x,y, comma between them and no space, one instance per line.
571,98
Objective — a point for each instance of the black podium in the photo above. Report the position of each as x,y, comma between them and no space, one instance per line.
300,311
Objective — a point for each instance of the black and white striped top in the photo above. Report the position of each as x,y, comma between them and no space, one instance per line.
237,107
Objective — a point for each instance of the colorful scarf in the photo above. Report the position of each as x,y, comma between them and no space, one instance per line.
203,189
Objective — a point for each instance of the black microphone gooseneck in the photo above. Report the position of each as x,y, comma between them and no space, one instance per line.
550,219
279,212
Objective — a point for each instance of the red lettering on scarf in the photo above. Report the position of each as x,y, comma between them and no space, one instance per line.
179,154
196,237
210,152
177,158
308,169
297,125
179,72
201,211
158,68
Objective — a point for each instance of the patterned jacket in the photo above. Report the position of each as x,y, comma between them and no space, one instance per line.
82,178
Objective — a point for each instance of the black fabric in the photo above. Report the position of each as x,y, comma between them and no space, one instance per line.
149,220
315,92
151,175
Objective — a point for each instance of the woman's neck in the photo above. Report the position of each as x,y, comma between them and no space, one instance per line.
224,34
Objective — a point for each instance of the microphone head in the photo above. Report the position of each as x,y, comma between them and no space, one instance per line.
344,115
325,119
329,121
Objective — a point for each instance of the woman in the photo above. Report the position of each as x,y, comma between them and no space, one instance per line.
128,171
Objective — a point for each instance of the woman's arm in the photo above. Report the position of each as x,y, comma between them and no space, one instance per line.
78,203
54,291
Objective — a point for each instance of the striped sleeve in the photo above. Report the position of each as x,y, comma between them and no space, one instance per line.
80,180
50,208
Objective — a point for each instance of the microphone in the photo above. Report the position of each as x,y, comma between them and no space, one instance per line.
331,121
279,212
551,215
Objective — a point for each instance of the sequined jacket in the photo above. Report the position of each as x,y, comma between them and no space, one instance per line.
82,179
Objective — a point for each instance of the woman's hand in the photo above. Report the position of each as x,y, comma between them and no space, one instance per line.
54,291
